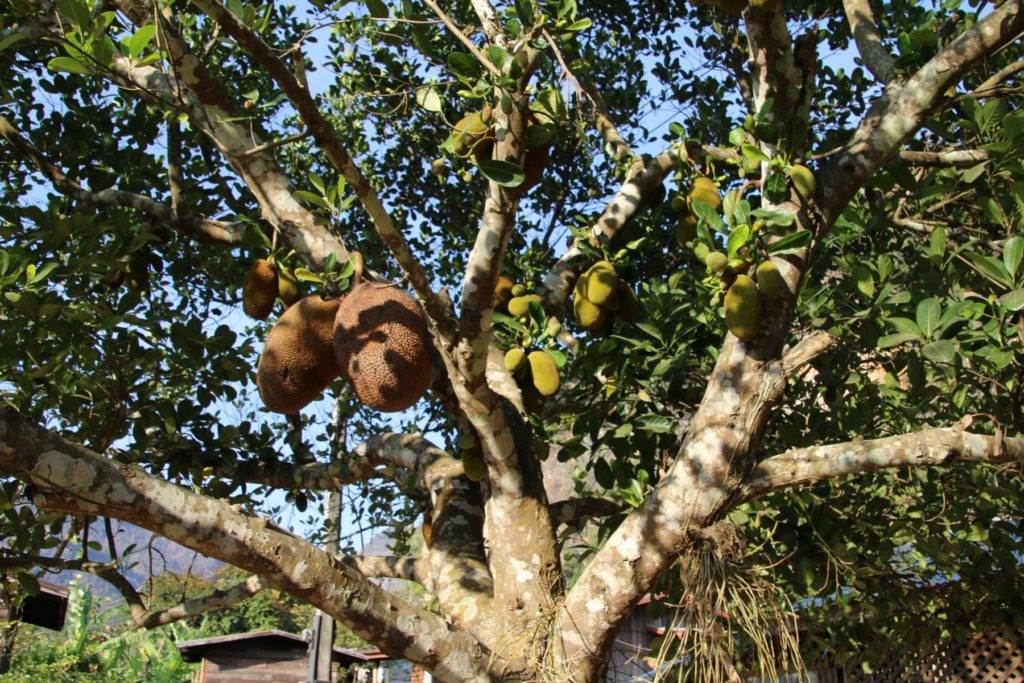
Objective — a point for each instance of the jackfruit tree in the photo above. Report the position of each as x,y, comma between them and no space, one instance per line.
719,303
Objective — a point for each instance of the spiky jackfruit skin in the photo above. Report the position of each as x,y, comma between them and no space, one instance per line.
298,361
769,281
544,372
743,308
514,358
706,191
686,230
259,290
519,306
287,287
803,180
600,285
382,346
502,291
716,262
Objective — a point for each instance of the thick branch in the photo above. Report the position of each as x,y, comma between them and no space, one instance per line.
73,479
325,137
217,600
876,57
931,447
205,229
391,567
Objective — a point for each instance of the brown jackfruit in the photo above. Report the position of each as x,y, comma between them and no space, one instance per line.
743,308
544,371
382,346
533,167
686,229
502,291
259,290
298,362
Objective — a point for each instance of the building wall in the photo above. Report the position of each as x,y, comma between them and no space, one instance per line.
262,666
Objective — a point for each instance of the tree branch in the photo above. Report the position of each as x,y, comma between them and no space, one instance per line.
957,157
573,509
205,229
73,479
873,53
993,81
325,137
463,38
930,447
391,567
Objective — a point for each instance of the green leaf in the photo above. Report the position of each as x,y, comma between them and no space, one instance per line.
659,424
464,66
738,238
306,275
504,173
312,198
990,268
1013,252
539,135
428,99
792,243
707,214
1014,301
376,9
67,64
497,55
906,325
779,217
650,329
939,351
526,11
11,39
556,356
579,25
888,340
77,11
864,280
928,314
139,40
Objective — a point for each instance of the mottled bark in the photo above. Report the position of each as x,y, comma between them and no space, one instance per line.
873,53
930,447
70,478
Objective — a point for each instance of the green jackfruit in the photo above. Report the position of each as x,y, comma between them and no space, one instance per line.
706,191
519,306
600,284
287,287
473,464
716,262
514,358
803,180
544,371
553,327
518,290
743,308
769,281
701,251
589,315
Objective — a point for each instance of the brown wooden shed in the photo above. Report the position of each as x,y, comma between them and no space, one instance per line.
262,657
47,609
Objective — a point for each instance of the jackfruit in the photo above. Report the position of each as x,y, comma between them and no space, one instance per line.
743,308
519,306
382,346
589,315
544,371
287,287
600,284
686,230
701,251
259,290
518,290
678,203
553,327
769,281
803,180
502,292
298,361
472,463
716,262
706,191
514,358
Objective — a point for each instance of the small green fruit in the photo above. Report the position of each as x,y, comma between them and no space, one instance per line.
770,282
518,290
716,262
519,306
803,180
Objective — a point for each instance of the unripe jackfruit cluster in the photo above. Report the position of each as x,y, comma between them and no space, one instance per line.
542,368
703,189
745,300
599,296
374,335
266,282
